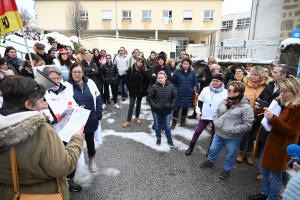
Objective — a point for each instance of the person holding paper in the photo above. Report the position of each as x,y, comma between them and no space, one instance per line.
271,145
59,99
87,95
41,156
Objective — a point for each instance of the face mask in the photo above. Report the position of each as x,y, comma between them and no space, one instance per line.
55,88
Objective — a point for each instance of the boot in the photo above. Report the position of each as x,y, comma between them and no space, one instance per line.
174,122
249,158
190,149
240,157
183,118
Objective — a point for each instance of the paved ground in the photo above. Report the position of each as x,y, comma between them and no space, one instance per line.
133,169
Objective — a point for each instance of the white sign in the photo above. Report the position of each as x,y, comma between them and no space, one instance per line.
255,44
234,42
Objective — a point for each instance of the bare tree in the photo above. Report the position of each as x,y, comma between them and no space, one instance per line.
73,20
30,25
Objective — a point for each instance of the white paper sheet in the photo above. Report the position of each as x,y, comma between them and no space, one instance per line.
275,110
78,117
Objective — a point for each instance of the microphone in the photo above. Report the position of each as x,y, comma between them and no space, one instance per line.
294,152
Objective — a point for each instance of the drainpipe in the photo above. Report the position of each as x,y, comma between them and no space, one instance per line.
117,33
253,22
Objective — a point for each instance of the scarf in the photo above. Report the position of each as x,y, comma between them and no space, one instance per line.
159,67
135,57
216,90
239,78
14,61
233,101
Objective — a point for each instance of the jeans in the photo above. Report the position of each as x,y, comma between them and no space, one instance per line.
165,120
90,144
201,126
122,78
231,146
113,88
131,105
247,143
272,181
176,111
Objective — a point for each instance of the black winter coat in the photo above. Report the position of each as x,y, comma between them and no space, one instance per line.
25,73
109,74
88,70
162,99
267,94
137,82
153,69
46,58
208,78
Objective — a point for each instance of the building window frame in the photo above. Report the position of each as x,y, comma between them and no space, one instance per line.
84,15
187,15
146,15
167,13
106,14
227,24
126,14
208,15
243,22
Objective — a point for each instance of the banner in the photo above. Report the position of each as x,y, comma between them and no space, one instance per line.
9,17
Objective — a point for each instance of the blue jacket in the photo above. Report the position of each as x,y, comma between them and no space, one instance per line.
184,83
83,96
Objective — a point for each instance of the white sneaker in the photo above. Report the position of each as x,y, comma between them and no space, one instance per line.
103,106
92,164
116,105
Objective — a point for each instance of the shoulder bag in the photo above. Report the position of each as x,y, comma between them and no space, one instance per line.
195,99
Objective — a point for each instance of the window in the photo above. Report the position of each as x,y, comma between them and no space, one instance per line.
84,15
167,14
243,22
227,24
126,14
106,15
208,15
146,15
187,15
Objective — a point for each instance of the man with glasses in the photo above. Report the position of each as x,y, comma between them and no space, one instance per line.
121,60
109,75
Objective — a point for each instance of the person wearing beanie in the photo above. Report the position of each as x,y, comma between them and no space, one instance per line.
39,48
255,83
185,82
208,102
81,55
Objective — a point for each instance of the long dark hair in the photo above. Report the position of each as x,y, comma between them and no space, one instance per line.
67,62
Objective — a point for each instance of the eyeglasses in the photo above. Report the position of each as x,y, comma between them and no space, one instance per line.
77,72
285,91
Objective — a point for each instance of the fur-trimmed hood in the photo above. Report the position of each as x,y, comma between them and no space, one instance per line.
178,67
18,127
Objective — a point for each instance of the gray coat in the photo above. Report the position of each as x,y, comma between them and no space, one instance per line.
236,121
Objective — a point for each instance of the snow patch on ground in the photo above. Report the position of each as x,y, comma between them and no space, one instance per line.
110,172
110,121
84,177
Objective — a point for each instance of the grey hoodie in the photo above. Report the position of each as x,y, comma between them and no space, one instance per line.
235,122
122,63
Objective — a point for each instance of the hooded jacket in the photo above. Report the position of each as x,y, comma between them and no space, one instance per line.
122,64
234,122
41,155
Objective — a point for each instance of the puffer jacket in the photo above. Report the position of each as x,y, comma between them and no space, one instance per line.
41,155
235,122
162,99
154,70
83,96
109,74
88,71
137,82
184,83
205,73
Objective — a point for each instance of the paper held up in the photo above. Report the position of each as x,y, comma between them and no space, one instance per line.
79,116
276,110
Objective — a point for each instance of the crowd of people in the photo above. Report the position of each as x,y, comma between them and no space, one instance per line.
229,106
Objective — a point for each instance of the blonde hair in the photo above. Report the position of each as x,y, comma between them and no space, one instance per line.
214,66
170,60
290,84
259,70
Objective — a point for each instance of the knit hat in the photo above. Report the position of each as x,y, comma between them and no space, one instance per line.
82,48
40,46
218,77
162,56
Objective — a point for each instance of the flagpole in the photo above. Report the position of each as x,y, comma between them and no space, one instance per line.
29,54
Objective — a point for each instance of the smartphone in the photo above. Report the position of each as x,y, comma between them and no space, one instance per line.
262,103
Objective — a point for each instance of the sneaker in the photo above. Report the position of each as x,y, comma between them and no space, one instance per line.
109,101
158,141
74,186
257,196
206,163
224,175
117,106
170,143
92,164
103,106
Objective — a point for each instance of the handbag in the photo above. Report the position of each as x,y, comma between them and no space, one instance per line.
23,196
195,99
